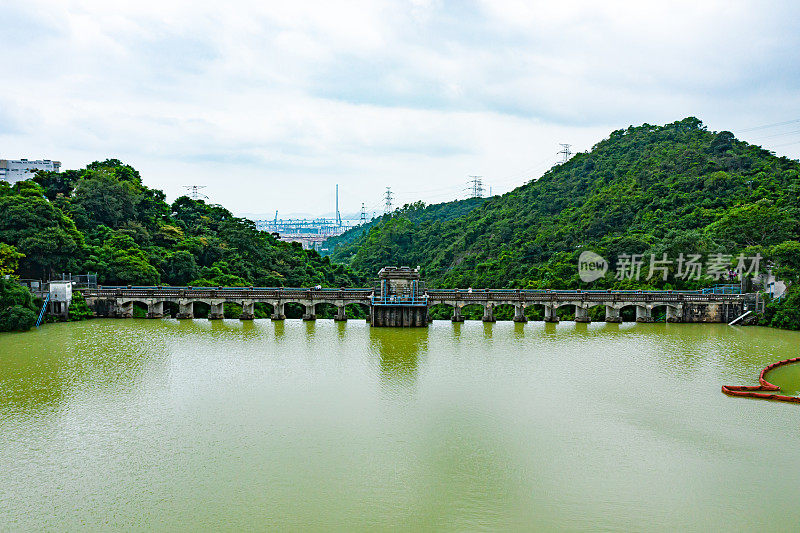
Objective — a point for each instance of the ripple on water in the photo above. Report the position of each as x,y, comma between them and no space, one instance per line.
232,425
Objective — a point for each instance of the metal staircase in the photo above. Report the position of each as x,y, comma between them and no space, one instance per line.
44,308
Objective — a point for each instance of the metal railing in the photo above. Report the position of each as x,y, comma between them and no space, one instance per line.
401,300
368,295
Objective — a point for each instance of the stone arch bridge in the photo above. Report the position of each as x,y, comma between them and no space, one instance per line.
402,310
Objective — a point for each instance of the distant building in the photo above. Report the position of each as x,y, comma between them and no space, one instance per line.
14,170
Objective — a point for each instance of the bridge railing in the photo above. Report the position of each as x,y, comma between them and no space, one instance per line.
245,293
592,295
400,300
430,296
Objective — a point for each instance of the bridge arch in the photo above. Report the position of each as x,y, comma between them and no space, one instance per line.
566,310
201,308
472,311
135,308
504,311
596,312
441,311
627,312
534,312
263,309
325,309
294,309
357,310
171,309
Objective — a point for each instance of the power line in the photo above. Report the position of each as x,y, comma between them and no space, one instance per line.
777,135
765,126
785,144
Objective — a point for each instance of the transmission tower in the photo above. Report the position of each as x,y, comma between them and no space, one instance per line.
565,151
387,207
476,186
338,215
194,191
363,214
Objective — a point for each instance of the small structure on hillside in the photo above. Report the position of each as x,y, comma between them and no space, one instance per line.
60,297
400,299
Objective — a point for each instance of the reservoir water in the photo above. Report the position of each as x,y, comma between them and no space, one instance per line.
167,425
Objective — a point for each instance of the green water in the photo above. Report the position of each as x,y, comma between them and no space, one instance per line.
136,424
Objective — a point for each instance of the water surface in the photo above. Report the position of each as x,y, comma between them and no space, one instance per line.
134,424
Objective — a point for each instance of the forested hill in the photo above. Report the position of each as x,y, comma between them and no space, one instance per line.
103,219
341,250
647,189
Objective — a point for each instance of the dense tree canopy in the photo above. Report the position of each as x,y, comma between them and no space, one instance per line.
103,219
645,190
649,190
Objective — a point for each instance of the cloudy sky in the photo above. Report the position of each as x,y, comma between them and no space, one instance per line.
270,104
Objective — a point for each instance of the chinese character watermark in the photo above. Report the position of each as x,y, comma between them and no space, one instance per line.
715,266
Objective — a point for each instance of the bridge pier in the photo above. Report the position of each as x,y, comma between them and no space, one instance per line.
278,314
185,309
402,301
644,313
248,310
550,313
217,311
155,308
582,314
612,314
519,313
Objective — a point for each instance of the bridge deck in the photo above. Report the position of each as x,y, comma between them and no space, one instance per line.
434,296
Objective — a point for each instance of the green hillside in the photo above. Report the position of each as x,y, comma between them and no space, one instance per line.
341,248
672,189
103,219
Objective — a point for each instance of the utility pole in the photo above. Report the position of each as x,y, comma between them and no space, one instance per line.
194,191
565,151
476,186
363,214
387,207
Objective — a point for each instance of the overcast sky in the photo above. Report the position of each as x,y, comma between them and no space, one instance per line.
270,104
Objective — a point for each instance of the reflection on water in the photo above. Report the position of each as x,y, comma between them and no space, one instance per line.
399,352
196,424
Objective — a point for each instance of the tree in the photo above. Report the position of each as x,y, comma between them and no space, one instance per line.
43,233
9,259
759,223
17,312
787,261
179,268
100,198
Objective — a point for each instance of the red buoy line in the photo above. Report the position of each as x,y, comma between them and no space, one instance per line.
750,391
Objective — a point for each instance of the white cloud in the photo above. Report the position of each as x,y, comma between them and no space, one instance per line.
271,103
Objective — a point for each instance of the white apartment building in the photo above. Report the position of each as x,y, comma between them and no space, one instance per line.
14,170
